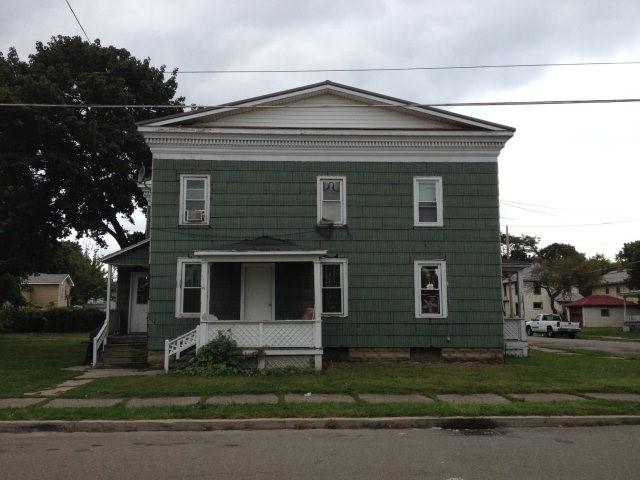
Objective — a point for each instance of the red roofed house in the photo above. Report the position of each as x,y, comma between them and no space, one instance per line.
599,311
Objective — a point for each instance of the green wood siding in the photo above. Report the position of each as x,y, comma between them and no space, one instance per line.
250,199
137,256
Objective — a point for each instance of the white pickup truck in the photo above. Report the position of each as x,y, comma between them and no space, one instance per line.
552,324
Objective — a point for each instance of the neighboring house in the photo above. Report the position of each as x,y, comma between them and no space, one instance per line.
535,298
48,289
351,225
600,311
613,283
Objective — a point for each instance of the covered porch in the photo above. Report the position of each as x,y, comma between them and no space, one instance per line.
631,312
265,293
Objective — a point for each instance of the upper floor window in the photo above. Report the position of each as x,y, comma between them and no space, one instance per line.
332,200
334,287
537,288
188,289
194,199
430,284
427,201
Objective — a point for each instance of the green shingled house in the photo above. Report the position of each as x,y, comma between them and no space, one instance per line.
322,221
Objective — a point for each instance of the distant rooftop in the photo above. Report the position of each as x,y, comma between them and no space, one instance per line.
47,278
615,277
598,301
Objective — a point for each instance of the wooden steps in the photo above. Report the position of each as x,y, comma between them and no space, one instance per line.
125,351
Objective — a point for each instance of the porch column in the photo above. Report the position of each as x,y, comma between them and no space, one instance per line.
317,289
204,288
108,306
520,282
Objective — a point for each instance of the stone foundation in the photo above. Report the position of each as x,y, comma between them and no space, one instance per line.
471,354
379,354
424,355
155,358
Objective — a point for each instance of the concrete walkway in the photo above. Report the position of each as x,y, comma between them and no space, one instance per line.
610,346
315,398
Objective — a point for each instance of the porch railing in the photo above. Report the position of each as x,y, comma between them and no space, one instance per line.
516,343
179,345
100,340
272,334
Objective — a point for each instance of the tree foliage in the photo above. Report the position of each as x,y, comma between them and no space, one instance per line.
84,267
560,267
521,247
630,256
83,161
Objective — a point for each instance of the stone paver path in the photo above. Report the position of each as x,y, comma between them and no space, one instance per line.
625,397
163,402
318,398
52,392
383,398
82,402
477,398
18,402
242,399
545,397
75,383
117,372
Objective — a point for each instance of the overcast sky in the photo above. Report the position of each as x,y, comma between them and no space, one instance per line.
566,165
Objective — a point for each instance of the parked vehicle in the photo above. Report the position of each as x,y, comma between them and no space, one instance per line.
552,324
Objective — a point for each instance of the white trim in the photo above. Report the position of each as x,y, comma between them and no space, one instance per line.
442,266
372,97
207,198
133,296
416,208
179,281
259,256
344,285
343,197
126,249
273,290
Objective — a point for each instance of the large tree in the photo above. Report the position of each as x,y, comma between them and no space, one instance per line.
630,256
560,267
521,247
87,157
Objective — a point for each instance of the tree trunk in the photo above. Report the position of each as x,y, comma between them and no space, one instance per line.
116,231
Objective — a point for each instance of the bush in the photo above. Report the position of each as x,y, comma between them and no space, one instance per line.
221,356
65,319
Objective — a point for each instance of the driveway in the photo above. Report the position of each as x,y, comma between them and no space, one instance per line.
534,453
610,346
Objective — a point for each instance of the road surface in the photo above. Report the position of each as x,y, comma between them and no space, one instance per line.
611,346
536,453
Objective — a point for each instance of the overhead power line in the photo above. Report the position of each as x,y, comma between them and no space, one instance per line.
576,224
78,20
393,104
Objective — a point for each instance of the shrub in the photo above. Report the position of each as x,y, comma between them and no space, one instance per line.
221,356
65,319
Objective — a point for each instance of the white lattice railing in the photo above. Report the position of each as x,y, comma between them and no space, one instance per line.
179,345
100,340
516,342
271,334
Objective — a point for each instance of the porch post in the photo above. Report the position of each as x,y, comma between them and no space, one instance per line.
108,309
204,292
520,282
317,289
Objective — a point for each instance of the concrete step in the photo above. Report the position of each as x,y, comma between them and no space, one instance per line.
134,339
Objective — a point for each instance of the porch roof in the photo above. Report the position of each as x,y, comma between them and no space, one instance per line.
134,255
263,248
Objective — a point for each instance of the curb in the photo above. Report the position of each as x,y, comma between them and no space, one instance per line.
459,423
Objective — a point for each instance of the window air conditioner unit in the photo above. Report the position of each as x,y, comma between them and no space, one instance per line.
195,216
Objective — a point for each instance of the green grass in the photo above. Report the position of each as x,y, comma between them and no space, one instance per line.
607,332
541,372
31,362
358,409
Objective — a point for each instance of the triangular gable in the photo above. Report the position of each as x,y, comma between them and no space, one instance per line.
325,105
133,255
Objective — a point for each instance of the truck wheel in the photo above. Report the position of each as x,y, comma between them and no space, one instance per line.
529,331
549,332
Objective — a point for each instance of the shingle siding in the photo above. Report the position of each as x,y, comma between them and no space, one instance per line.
250,199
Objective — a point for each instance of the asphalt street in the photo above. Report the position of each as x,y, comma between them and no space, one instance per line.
611,346
536,453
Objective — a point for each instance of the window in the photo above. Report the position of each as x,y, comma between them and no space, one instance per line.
537,289
606,290
142,292
618,289
334,287
430,282
537,305
427,201
604,312
332,200
194,200
188,289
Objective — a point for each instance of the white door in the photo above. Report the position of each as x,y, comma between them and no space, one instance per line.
138,302
258,291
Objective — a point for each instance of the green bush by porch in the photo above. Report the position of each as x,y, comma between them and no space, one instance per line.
66,319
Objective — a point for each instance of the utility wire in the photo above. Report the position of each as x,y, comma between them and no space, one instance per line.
576,224
195,108
78,20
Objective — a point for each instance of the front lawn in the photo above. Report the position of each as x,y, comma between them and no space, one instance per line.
541,372
31,362
608,333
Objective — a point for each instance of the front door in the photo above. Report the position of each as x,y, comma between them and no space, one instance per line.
138,302
258,290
